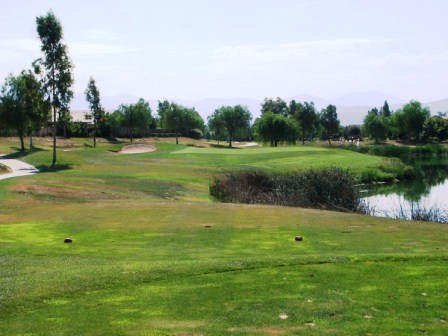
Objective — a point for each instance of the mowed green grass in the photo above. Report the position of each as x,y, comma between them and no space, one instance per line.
153,255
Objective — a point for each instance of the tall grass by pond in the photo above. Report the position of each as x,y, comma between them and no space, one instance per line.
328,188
416,211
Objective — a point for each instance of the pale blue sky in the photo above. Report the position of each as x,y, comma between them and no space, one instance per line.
248,48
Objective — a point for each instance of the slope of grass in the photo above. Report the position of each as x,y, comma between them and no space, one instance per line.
152,255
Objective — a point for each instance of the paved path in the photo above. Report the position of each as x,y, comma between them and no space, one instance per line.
18,168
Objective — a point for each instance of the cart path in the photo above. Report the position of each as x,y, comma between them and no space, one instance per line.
17,167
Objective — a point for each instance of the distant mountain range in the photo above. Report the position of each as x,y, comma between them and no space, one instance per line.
351,108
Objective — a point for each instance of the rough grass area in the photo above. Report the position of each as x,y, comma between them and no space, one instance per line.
153,255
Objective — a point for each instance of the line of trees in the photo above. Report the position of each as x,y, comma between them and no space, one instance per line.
281,122
412,123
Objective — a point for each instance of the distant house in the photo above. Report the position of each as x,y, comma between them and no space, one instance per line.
79,116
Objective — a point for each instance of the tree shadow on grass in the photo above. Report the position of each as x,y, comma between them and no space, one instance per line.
115,141
42,168
224,146
20,154
56,168
197,146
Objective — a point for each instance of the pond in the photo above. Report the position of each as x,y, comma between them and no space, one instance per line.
428,191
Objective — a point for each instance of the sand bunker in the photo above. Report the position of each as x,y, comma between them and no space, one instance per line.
249,144
138,148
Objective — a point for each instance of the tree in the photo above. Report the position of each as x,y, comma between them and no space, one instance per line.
435,128
114,121
170,117
217,127
13,109
136,117
56,69
22,104
276,129
376,125
411,118
38,108
93,98
306,117
235,119
178,119
278,106
329,121
385,110
352,132
192,122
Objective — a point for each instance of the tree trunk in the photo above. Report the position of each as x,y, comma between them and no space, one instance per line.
31,139
329,141
54,137
22,144
303,138
177,139
94,133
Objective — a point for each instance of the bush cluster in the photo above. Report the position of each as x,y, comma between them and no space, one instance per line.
329,188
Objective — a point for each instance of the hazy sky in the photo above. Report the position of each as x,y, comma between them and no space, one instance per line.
199,49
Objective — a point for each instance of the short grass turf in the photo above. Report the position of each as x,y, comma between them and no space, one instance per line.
153,255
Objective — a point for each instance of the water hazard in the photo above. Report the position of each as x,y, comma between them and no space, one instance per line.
428,191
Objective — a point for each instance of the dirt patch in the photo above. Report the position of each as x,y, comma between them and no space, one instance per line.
272,331
138,149
62,193
177,324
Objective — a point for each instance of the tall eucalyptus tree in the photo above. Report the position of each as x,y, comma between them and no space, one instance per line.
55,69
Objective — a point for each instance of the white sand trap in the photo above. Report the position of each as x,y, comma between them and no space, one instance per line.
249,144
138,149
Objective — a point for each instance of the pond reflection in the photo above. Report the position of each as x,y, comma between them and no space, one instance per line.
429,190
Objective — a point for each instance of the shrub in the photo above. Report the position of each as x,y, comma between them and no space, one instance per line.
195,134
330,188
